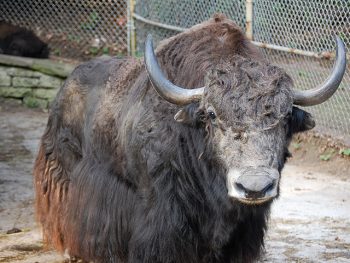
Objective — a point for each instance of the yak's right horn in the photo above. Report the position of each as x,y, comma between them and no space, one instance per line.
325,91
163,86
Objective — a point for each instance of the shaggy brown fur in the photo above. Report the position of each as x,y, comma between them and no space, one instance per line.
118,180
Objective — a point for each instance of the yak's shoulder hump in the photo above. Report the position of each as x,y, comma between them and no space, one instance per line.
97,71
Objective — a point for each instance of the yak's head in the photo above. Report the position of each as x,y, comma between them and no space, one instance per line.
247,109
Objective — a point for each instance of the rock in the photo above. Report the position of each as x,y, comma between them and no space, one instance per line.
24,82
49,82
20,72
34,89
5,80
32,102
43,65
11,92
13,231
48,94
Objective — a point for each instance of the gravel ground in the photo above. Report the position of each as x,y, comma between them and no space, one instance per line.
310,222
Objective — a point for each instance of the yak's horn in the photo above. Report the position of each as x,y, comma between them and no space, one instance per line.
325,90
163,86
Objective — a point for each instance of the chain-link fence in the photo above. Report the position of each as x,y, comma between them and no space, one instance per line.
297,26
182,14
83,29
73,28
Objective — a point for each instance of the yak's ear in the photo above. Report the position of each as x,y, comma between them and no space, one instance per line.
182,116
301,120
188,114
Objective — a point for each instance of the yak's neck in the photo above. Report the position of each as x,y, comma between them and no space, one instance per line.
235,229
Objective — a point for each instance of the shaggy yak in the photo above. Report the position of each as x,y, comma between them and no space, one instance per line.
18,41
171,162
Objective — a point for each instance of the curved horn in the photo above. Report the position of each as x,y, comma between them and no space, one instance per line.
325,90
163,86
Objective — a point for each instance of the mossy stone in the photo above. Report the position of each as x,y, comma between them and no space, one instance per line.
32,102
11,92
49,94
24,82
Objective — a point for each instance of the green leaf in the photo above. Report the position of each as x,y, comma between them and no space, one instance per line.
327,155
345,152
296,145
105,50
93,50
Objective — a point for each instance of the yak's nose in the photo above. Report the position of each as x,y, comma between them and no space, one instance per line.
255,187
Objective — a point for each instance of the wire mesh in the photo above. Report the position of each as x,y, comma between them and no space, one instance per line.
73,28
311,26
184,13
298,24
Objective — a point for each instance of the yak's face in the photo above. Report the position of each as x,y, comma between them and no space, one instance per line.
247,110
249,113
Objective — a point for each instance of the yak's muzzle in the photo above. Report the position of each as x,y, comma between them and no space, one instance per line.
253,185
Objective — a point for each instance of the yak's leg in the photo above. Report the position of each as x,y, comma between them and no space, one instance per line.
161,231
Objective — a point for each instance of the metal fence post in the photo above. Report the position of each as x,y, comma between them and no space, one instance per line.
249,19
131,28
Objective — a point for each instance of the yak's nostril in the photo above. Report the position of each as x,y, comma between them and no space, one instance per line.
254,192
240,187
269,187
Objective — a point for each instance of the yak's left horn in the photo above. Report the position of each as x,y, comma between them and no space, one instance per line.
325,90
163,86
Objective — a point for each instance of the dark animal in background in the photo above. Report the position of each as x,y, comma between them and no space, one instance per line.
133,170
18,41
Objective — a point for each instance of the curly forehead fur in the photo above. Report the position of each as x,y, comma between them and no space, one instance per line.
249,94
235,72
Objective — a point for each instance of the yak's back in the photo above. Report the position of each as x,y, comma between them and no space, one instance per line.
70,124
87,87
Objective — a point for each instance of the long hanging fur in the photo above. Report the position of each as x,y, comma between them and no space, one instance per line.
118,180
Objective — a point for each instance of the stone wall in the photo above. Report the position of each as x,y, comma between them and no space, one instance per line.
34,89
33,82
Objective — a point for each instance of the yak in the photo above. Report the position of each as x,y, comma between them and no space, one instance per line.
19,41
176,157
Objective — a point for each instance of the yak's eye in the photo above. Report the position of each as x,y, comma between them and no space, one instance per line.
211,115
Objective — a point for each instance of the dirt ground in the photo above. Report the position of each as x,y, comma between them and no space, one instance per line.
310,222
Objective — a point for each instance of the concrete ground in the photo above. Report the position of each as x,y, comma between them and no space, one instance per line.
310,222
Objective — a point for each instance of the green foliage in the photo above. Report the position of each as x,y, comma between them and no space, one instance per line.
73,38
105,50
32,102
345,152
56,52
93,51
296,145
139,54
92,21
327,155
120,55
